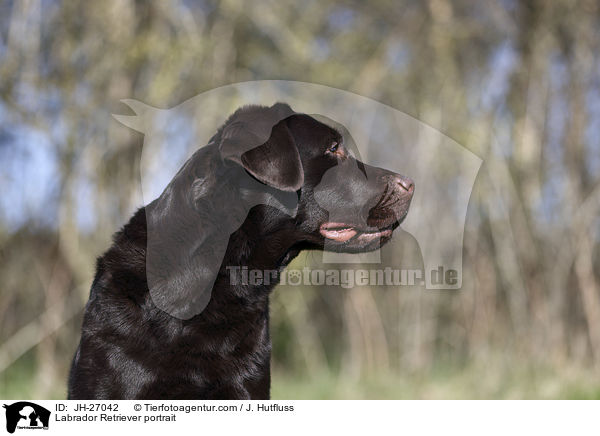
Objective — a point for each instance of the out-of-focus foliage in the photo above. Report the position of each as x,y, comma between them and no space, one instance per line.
517,83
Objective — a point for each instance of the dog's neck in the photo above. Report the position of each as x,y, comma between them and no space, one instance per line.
257,253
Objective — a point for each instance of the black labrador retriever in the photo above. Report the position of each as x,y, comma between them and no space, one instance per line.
165,320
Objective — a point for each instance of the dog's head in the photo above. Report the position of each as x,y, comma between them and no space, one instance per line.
300,172
343,204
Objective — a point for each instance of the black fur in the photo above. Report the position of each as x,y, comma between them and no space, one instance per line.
131,349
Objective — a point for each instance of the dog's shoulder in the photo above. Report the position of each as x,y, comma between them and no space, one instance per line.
123,265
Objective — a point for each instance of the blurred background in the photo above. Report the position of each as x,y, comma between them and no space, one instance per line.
515,82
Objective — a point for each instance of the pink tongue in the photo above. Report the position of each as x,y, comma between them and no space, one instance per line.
340,235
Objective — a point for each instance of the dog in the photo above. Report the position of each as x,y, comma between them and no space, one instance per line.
164,318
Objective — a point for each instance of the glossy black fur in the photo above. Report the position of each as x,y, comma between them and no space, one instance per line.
131,349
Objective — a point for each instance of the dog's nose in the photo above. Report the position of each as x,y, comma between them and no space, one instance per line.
405,183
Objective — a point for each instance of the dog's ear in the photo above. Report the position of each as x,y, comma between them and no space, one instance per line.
261,142
277,161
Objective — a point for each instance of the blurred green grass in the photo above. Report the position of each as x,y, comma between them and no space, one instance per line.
24,381
447,383
473,381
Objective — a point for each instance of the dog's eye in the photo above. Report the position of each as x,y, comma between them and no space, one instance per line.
333,147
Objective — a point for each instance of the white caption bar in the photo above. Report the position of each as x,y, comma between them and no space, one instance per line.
300,417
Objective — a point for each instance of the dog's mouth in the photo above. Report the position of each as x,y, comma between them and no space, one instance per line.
341,232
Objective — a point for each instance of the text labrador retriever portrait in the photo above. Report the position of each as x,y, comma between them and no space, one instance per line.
164,320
